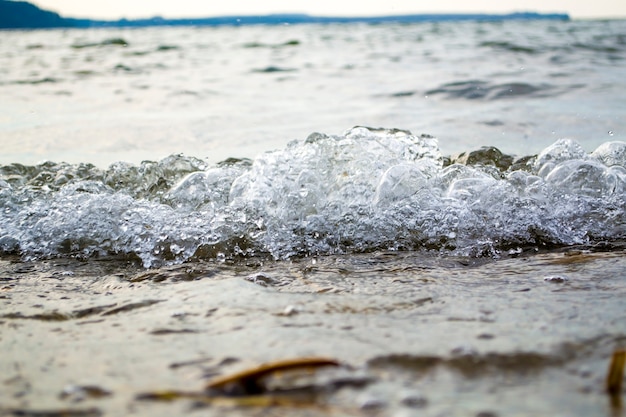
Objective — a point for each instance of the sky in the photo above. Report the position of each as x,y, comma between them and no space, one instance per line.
116,9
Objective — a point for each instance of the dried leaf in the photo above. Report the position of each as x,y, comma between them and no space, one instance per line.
616,373
247,388
249,381
172,395
89,412
129,307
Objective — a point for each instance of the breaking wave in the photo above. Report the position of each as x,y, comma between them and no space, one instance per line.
366,190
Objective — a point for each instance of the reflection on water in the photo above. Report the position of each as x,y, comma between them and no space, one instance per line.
109,95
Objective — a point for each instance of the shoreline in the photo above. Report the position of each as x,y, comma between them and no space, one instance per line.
436,336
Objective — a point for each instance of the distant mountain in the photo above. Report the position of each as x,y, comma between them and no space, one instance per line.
278,19
24,15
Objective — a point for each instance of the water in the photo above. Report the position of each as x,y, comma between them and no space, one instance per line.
106,96
216,189
363,191
103,96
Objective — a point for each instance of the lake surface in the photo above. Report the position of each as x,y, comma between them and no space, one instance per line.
247,194
109,95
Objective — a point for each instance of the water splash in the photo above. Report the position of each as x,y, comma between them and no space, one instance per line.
369,189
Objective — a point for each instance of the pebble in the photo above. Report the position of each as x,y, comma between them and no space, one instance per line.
557,279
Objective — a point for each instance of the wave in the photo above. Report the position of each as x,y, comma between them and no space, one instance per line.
366,190
482,90
107,42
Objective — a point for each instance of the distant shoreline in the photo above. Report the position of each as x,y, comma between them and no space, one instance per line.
24,15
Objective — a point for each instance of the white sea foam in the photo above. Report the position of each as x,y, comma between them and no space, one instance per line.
369,189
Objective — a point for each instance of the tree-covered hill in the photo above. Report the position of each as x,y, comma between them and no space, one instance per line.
24,15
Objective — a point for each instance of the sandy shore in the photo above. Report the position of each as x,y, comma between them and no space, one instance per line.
517,337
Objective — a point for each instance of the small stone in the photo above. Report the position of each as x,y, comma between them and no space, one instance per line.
370,402
290,310
261,279
414,400
78,393
463,351
557,279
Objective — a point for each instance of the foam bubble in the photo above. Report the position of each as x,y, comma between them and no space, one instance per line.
369,189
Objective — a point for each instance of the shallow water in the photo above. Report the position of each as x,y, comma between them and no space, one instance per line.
108,95
416,334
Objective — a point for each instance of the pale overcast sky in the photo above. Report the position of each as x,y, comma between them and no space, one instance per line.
115,9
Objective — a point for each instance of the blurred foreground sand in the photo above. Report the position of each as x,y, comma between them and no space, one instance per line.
525,336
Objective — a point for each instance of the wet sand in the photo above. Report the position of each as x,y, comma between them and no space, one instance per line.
531,335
